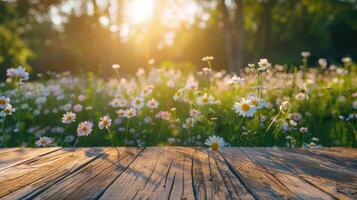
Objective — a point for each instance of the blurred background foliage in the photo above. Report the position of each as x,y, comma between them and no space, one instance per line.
81,35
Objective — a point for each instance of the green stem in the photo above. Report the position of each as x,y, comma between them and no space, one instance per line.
75,142
113,145
111,137
63,135
3,131
209,65
127,130
302,140
273,121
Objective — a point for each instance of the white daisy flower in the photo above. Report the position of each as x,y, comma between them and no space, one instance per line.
257,102
18,73
323,63
189,123
130,113
205,99
118,103
8,110
207,58
152,104
301,96
305,54
206,70
104,122
84,128
195,113
69,117
235,80
147,90
285,106
263,64
121,113
178,95
347,60
44,141
81,98
4,101
244,108
215,142
77,108
140,72
138,102
304,130
115,66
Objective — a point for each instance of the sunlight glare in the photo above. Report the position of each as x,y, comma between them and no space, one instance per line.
140,11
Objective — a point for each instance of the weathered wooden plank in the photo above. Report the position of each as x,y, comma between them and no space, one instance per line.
328,176
285,174
256,178
167,179
158,173
12,156
327,160
212,178
41,172
343,156
235,188
4,150
91,181
347,150
188,192
136,176
178,183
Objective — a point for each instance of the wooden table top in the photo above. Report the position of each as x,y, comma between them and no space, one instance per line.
178,173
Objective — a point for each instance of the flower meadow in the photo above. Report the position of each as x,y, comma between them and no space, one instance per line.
267,105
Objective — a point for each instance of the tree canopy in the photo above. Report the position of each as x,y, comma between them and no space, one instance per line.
91,35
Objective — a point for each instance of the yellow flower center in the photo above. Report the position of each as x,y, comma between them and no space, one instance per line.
255,102
245,107
2,102
214,146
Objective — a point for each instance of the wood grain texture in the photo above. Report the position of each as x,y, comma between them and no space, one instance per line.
330,177
12,156
39,173
260,182
137,175
285,174
212,178
342,156
91,181
178,173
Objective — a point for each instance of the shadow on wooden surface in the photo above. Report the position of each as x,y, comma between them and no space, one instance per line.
178,173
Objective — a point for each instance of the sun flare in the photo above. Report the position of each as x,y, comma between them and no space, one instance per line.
140,11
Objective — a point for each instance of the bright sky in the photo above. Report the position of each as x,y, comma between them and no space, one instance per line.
137,14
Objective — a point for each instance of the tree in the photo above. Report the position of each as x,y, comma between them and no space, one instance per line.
234,39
